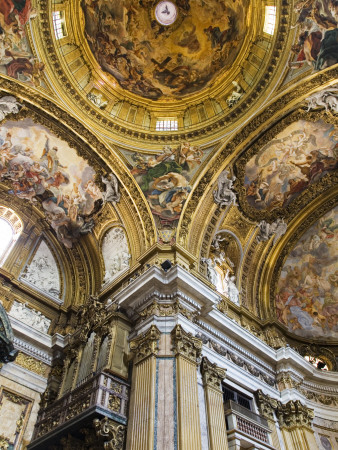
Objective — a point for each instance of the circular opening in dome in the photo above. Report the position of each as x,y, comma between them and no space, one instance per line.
165,13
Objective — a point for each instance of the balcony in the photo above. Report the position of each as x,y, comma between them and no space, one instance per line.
101,395
246,429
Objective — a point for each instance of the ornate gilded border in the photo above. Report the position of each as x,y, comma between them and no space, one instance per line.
313,191
282,107
127,131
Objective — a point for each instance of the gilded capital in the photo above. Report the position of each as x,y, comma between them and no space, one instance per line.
185,344
266,404
212,374
294,414
146,344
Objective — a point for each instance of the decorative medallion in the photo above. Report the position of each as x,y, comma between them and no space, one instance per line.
166,13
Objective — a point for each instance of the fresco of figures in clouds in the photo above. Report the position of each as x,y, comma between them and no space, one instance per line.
298,157
38,166
307,293
16,58
165,178
317,44
154,61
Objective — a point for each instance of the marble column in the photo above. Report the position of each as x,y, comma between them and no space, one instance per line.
213,376
141,423
187,350
295,422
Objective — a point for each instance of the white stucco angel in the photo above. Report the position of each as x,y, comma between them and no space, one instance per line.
230,289
267,230
224,195
211,270
112,189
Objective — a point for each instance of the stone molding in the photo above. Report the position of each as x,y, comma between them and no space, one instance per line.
186,345
212,375
146,344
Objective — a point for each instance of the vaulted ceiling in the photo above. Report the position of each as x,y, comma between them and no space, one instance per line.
100,81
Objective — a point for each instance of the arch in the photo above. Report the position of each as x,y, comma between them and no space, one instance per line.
11,227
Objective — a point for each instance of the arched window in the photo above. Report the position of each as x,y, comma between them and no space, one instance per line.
10,229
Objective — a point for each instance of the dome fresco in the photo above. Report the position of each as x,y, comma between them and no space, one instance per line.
307,297
155,61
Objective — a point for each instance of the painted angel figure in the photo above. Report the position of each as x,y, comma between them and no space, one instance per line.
112,189
224,195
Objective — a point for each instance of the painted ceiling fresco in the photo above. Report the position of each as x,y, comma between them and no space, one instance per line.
317,34
298,157
16,58
38,166
165,178
153,60
307,293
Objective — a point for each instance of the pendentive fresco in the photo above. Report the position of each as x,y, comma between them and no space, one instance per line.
40,167
298,157
307,292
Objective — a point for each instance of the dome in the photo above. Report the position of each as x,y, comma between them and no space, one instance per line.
157,61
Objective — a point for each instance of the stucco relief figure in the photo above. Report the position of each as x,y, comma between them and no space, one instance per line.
230,289
307,291
115,253
235,96
224,195
328,99
8,105
267,230
43,272
211,270
30,316
112,189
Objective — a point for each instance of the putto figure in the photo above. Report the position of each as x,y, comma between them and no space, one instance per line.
224,195
112,189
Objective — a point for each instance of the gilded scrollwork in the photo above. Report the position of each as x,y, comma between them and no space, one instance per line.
111,432
32,364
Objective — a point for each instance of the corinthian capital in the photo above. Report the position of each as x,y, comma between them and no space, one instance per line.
146,344
212,374
294,414
266,404
185,344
